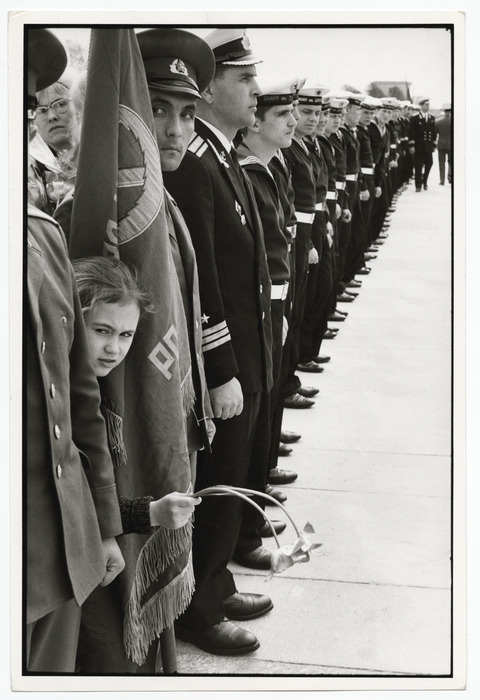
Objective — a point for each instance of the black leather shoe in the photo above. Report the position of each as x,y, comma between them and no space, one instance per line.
310,366
353,284
329,335
324,358
379,241
346,298
259,558
425,186
307,391
284,450
418,189
274,493
225,638
297,401
369,256
266,531
278,477
246,606
363,271
372,249
288,436
336,317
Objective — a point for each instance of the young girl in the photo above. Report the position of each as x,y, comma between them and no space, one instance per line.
112,303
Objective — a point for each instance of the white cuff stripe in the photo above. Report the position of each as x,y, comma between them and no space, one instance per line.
214,336
214,329
217,343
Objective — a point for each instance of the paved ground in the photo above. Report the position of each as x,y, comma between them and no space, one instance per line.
374,479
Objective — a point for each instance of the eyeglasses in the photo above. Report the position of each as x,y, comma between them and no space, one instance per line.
59,107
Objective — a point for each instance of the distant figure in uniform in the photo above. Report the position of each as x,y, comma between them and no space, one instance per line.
444,143
71,507
422,138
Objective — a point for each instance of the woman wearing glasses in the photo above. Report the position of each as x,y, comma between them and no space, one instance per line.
56,118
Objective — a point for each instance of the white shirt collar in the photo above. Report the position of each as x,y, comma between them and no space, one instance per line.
220,136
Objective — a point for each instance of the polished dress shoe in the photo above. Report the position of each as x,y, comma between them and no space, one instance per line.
344,297
225,638
259,558
297,401
353,284
418,189
425,186
344,313
336,317
329,335
274,493
247,606
372,249
287,436
310,366
379,241
323,358
284,450
278,477
363,271
307,391
369,256
266,531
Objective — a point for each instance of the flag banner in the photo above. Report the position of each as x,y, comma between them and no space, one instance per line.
119,210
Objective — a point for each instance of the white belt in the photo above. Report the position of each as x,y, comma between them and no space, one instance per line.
303,218
320,206
279,291
393,145
293,230
352,177
368,171
340,185
331,195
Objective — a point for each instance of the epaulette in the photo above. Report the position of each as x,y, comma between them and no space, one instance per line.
197,145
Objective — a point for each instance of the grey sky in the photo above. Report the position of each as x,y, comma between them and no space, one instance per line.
357,56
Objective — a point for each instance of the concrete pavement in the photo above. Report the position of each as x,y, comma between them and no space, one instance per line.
374,479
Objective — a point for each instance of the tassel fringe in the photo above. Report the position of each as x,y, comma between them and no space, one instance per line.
143,624
188,392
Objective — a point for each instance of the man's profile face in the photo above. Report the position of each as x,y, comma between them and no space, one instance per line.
235,96
174,115
278,126
308,121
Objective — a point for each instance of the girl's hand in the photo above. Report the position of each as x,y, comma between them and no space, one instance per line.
173,510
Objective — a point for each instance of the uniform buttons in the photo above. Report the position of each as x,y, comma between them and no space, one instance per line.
59,471
263,316
64,320
56,432
43,348
52,390
261,288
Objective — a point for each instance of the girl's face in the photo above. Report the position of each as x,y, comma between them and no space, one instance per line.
110,331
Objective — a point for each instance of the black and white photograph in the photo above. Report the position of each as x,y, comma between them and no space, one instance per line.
239,458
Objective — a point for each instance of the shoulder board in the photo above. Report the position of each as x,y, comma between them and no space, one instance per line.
39,214
197,145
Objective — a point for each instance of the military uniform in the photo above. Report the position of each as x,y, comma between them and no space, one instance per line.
423,134
218,205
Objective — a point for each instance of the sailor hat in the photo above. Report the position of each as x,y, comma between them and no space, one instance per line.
312,95
278,94
371,103
176,60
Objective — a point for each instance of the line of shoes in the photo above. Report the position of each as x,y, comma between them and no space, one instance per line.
225,637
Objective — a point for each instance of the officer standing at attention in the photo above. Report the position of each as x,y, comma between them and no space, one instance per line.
71,508
422,138
218,204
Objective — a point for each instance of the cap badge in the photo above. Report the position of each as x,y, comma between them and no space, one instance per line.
245,42
178,66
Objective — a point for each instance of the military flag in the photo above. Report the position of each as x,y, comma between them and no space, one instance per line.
119,210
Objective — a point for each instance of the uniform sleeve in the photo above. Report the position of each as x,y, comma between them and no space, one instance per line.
193,189
88,428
